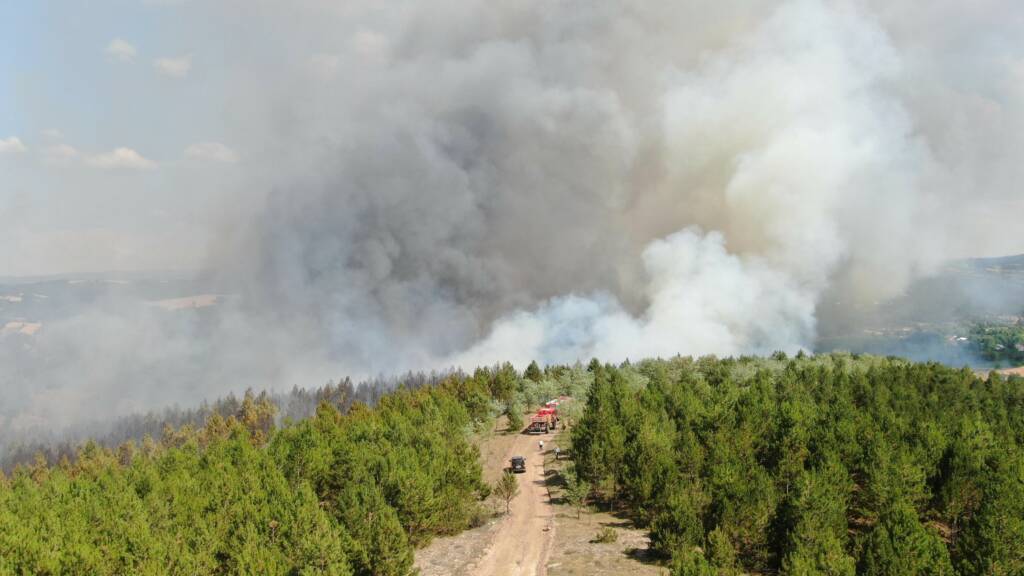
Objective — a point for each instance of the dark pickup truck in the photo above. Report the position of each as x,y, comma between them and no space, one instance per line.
518,464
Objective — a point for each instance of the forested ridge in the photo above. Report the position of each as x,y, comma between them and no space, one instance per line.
823,465
832,464
295,404
349,493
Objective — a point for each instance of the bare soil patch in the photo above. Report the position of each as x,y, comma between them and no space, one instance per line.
457,555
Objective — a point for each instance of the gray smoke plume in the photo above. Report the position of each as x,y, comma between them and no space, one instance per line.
557,180
464,182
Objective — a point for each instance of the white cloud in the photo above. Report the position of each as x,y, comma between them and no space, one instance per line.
174,67
212,151
121,158
11,144
60,153
121,50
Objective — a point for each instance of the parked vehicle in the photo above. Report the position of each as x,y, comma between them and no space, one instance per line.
518,464
539,424
551,412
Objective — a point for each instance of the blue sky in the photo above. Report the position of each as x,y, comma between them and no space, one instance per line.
58,74
20,28
103,162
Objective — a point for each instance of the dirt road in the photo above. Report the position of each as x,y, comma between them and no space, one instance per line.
523,540
517,544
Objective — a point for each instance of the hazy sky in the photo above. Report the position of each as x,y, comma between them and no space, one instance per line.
112,141
128,127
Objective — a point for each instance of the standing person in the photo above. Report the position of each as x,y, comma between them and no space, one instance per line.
541,444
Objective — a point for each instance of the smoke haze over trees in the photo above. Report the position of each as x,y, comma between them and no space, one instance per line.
419,187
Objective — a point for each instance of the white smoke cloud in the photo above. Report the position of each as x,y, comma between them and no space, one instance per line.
703,300
497,191
787,134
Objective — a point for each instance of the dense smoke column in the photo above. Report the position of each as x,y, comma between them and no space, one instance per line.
622,184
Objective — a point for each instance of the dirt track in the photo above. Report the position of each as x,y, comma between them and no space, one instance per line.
518,544
522,542
513,544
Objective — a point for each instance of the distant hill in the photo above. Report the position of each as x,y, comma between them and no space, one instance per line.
923,323
1001,264
46,299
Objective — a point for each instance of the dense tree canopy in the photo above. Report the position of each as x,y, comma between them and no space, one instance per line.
1002,343
827,465
834,464
332,494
